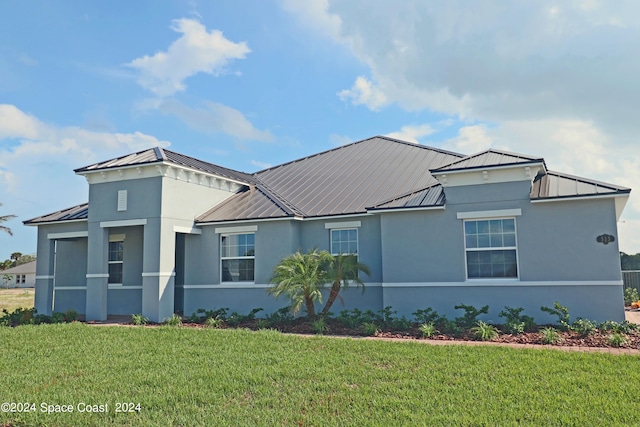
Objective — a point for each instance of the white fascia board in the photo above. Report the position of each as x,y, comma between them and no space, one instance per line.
343,224
417,208
56,222
488,168
238,229
67,235
123,223
186,230
500,213
620,200
506,282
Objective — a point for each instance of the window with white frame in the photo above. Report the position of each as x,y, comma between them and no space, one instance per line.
237,257
116,261
490,248
344,241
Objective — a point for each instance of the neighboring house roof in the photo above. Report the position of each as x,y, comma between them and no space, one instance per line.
378,173
555,185
78,212
489,158
345,180
27,268
161,155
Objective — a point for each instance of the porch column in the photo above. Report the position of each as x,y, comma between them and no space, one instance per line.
97,272
158,270
45,268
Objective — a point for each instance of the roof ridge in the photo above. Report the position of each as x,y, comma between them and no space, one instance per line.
400,196
277,198
411,144
493,151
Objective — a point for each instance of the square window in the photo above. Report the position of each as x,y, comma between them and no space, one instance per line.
490,247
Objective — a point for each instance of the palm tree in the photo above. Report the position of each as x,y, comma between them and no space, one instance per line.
342,272
301,277
5,218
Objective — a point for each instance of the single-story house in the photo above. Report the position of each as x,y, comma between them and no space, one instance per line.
163,232
20,276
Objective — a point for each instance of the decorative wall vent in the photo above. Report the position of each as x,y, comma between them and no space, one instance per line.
122,200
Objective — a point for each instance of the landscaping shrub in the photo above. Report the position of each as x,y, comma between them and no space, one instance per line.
213,322
484,332
320,326
515,323
369,328
280,316
427,330
427,315
470,317
355,318
617,339
630,296
584,327
174,320
561,312
139,320
550,335
236,318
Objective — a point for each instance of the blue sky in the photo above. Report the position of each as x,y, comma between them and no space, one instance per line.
249,84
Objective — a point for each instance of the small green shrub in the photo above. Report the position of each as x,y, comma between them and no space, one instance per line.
624,327
263,324
484,332
174,320
561,312
584,327
617,339
515,323
427,315
369,329
57,318
386,316
320,326
630,295
427,330
201,315
139,320
19,316
235,319
355,318
70,316
280,316
550,335
214,322
470,317
400,324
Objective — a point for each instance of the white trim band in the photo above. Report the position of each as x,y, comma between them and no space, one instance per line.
246,285
239,229
68,235
344,224
123,223
514,283
70,288
489,214
45,277
124,288
159,274
186,230
97,276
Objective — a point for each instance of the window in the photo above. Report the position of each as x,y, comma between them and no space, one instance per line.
20,278
490,247
115,262
344,241
237,255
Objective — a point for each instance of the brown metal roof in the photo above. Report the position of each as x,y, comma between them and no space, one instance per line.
160,155
489,158
555,185
251,203
70,214
427,197
350,178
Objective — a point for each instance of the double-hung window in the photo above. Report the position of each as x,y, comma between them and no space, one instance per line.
490,248
237,255
344,241
116,261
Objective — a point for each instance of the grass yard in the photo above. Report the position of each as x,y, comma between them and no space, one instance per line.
192,377
13,298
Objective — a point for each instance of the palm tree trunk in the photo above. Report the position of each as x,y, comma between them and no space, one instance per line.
333,295
311,311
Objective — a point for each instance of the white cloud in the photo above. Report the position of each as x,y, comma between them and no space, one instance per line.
261,165
216,118
412,133
36,167
338,140
363,92
196,51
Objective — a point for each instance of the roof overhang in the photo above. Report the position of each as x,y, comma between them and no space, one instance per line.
620,200
522,171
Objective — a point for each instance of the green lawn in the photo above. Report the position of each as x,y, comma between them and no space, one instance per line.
190,377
